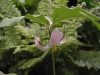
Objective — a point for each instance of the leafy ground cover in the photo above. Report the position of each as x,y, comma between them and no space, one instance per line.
49,37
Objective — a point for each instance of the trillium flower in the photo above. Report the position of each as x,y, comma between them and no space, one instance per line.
55,39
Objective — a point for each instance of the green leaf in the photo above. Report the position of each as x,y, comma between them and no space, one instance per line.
10,22
63,13
38,19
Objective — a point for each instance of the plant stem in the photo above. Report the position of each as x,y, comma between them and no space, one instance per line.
53,60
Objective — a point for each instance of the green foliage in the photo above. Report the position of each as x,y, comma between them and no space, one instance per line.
73,13
20,36
27,6
63,13
60,2
9,35
7,9
89,59
89,30
10,22
88,53
58,16
42,7
38,18
10,39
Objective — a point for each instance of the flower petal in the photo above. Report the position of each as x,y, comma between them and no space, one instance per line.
39,45
56,37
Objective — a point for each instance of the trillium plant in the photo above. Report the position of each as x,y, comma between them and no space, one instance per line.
54,18
55,39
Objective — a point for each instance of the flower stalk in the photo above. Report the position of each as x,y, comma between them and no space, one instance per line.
53,60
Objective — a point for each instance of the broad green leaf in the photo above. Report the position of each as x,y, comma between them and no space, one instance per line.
10,21
38,19
63,13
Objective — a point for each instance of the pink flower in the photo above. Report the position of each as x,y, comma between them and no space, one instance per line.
55,39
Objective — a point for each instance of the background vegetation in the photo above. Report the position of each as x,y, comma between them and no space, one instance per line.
79,20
